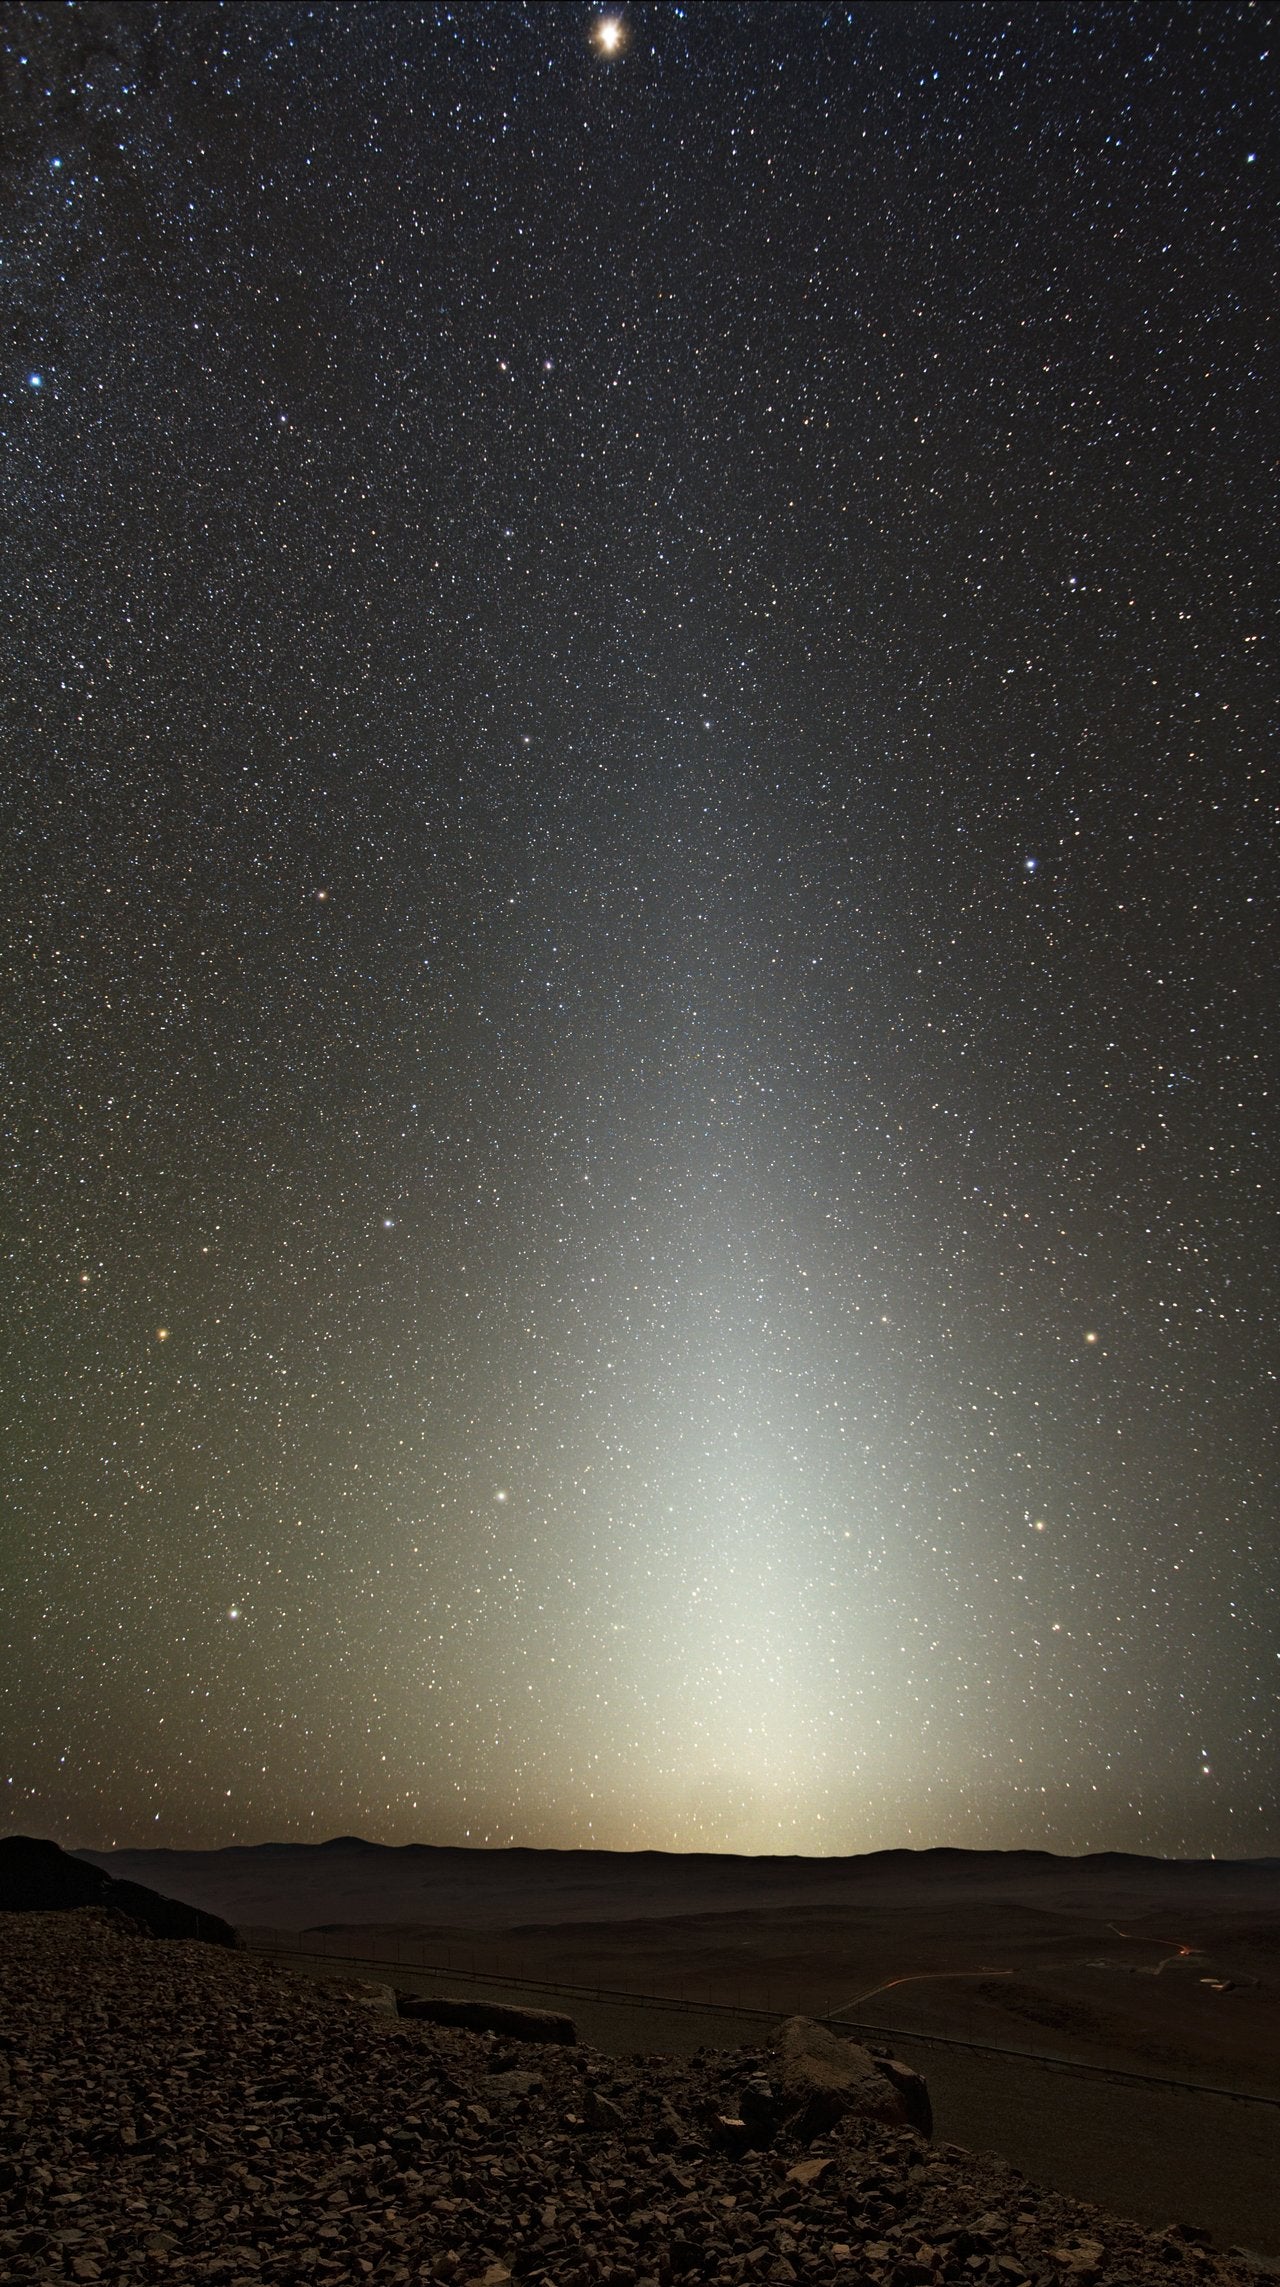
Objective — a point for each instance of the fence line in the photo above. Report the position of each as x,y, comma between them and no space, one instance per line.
272,1941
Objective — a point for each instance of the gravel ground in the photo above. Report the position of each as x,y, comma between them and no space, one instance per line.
176,2112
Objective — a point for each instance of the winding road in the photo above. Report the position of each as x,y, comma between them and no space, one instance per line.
1181,1952
914,1977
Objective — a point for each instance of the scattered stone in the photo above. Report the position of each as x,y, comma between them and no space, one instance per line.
1079,2261
515,2084
759,2107
600,2112
810,2171
730,2133
365,1993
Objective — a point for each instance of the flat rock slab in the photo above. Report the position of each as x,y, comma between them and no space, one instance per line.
490,2017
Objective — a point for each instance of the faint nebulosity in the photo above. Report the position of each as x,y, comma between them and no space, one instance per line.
635,874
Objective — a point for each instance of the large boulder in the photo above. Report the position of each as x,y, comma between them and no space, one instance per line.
824,2078
38,1878
490,2017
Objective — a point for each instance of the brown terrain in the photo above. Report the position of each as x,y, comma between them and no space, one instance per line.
1141,1975
181,2111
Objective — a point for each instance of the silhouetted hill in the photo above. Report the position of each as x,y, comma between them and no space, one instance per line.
38,1878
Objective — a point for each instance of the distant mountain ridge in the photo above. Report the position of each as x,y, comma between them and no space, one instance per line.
347,1879
898,1856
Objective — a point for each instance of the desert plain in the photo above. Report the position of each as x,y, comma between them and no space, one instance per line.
1111,2024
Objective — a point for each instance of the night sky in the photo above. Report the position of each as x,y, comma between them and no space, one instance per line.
635,875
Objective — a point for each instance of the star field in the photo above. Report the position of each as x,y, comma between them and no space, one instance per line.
637,872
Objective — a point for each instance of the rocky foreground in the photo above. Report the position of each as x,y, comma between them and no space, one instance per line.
176,2112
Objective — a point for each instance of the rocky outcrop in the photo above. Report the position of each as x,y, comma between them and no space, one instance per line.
207,2119
490,2017
38,1878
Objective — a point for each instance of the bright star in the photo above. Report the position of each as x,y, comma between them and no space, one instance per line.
609,35
35,381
